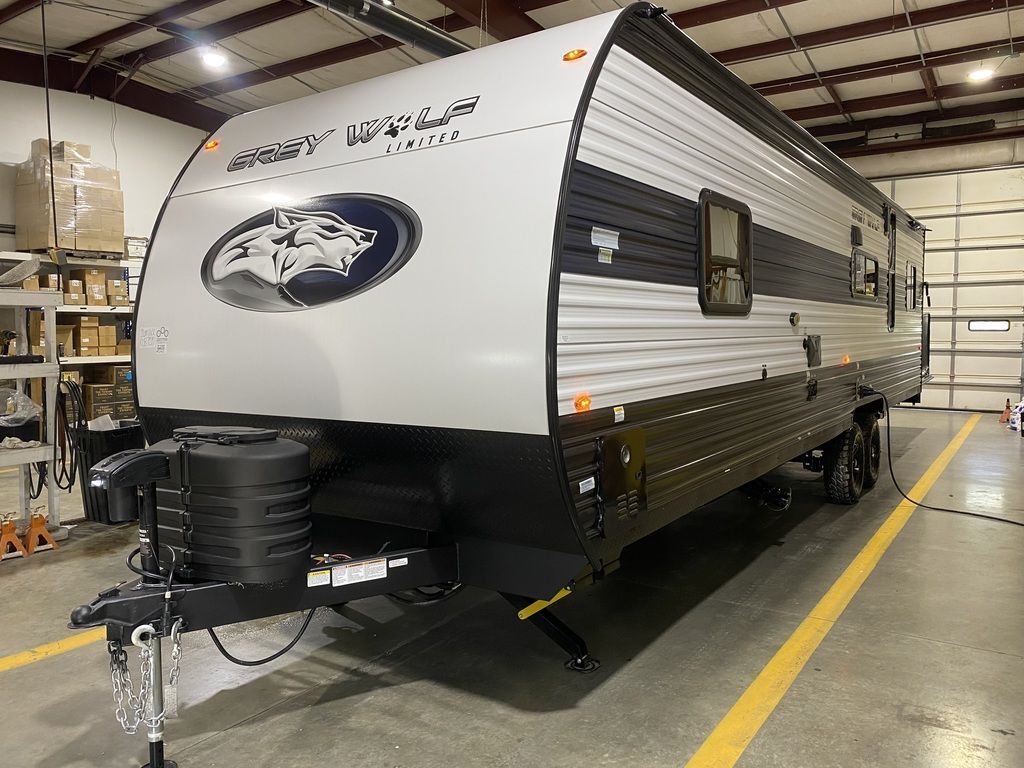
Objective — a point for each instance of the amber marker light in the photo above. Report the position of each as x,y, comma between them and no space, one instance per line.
575,53
582,403
846,359
211,145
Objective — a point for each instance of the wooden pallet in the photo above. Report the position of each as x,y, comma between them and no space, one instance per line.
79,254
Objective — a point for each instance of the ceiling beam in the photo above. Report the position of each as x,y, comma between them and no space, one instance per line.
905,98
723,11
918,118
311,61
937,15
886,68
92,62
504,19
27,69
157,19
713,12
888,147
219,30
931,85
15,9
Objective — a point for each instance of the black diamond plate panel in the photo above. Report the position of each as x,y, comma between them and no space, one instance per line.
467,483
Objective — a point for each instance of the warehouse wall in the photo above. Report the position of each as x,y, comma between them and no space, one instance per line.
149,150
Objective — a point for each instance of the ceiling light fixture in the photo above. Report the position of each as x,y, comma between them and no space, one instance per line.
978,75
388,3
213,58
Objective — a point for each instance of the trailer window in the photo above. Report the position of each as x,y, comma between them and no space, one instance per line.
911,286
864,273
725,263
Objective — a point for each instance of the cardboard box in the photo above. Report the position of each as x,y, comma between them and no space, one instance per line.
66,340
123,392
101,409
109,374
124,347
88,351
96,301
108,336
94,394
117,287
135,247
86,320
124,410
70,151
119,301
90,277
74,286
74,299
86,174
86,337
31,283
108,351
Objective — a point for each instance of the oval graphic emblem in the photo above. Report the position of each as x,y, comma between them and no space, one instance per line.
310,253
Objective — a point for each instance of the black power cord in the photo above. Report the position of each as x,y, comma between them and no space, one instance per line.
866,391
257,662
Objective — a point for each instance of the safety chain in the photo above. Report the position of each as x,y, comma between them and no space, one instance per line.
121,679
130,708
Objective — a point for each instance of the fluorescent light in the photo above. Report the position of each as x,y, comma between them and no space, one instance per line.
213,58
980,74
388,2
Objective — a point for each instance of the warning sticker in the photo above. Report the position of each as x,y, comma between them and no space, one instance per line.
587,485
398,562
156,338
604,238
619,413
353,573
318,578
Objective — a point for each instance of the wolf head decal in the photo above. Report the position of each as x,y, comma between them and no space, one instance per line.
296,241
306,255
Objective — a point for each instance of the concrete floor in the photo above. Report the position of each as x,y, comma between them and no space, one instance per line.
925,667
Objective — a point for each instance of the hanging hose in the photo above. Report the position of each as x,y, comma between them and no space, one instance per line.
866,391
257,662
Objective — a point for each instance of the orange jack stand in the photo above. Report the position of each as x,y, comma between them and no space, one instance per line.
1006,413
10,544
37,535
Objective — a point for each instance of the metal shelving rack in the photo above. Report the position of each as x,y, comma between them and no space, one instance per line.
122,313
48,301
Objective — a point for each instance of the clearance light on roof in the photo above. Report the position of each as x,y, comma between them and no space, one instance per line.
980,75
211,145
582,403
575,53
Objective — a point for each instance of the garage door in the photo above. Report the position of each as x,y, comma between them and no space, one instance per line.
974,267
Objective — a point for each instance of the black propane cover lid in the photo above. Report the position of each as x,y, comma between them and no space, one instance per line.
235,456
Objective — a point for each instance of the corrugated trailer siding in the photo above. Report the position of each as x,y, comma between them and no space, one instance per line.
631,333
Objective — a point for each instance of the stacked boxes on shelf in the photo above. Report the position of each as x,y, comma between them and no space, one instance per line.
37,336
91,287
85,199
108,392
41,283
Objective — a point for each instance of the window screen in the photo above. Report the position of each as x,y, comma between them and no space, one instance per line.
864,274
988,325
726,262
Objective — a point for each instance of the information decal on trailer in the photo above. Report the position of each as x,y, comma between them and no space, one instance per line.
354,573
321,578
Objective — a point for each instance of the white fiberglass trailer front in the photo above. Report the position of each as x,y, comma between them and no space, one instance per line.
533,303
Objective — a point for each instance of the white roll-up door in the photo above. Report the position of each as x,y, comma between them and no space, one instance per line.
974,267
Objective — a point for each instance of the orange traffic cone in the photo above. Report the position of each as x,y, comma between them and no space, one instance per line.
1006,413
10,544
37,536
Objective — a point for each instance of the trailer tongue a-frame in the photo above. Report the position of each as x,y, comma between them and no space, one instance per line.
487,321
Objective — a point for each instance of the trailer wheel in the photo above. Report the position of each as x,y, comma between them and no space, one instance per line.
844,467
872,450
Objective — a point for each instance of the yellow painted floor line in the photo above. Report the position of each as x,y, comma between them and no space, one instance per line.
40,652
726,743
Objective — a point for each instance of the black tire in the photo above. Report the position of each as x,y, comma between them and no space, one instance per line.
872,450
844,467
